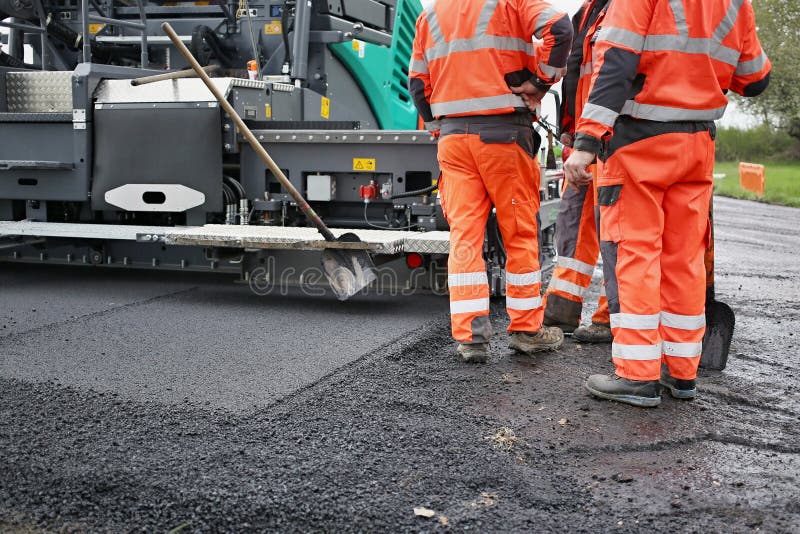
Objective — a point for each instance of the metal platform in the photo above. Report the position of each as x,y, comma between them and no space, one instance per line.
83,231
283,237
232,236
437,242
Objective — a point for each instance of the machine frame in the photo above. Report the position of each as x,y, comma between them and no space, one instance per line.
97,172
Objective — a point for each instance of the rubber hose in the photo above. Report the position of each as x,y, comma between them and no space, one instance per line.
416,193
205,35
287,56
227,12
234,196
64,33
227,194
234,184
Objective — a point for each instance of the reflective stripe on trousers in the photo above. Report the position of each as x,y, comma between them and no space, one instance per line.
522,291
469,305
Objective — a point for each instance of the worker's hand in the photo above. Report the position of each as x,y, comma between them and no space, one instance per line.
530,94
434,127
575,168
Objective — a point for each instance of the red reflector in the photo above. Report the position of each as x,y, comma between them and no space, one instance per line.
413,260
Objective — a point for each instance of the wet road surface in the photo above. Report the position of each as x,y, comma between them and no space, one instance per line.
134,401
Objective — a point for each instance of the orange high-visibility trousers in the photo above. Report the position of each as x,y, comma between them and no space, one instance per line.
654,195
475,176
578,248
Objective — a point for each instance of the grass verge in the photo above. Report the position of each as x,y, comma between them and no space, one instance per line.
782,186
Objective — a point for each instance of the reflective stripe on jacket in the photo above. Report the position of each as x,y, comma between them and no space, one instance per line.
467,52
671,60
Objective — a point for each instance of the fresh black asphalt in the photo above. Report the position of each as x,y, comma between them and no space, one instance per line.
156,402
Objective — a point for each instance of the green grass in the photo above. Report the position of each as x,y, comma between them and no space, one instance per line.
782,185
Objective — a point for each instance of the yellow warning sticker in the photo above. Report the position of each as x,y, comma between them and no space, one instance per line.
94,29
360,47
325,108
273,28
364,164
268,111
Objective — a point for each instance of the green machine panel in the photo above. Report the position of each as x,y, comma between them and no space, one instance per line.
382,72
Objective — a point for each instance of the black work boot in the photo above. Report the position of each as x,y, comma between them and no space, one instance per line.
593,333
679,389
643,393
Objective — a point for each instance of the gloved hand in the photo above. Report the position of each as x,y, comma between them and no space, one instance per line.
434,127
530,94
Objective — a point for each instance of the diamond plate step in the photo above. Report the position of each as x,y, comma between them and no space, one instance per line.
284,237
437,242
233,236
84,231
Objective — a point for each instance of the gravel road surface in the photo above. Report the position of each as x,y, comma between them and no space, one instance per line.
156,402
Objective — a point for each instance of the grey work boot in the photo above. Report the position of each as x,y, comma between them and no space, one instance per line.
547,338
642,393
679,389
593,333
473,352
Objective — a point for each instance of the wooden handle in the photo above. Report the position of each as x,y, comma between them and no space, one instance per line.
187,73
244,130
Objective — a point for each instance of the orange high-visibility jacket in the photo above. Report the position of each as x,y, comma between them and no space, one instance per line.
671,61
467,52
577,81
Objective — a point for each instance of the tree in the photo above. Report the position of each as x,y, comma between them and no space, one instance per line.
779,31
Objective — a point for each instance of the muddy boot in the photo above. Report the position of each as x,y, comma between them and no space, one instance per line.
643,393
547,338
473,352
594,333
679,389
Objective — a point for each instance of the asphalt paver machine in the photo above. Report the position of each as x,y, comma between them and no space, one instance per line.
96,170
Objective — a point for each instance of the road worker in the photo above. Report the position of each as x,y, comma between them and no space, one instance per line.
661,76
576,237
467,57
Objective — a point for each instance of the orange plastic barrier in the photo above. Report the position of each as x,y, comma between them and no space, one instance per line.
752,177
